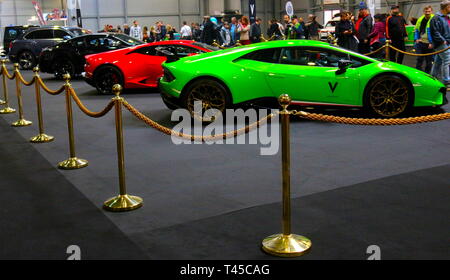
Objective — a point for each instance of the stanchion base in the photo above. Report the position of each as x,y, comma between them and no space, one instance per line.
7,110
21,122
42,138
282,245
122,203
73,163
2,102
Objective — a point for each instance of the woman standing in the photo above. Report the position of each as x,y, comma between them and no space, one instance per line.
378,37
244,31
345,33
152,35
145,37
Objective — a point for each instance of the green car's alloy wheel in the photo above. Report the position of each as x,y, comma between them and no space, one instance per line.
26,60
211,94
106,78
388,96
62,67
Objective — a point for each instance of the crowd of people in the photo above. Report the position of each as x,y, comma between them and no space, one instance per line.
431,34
362,34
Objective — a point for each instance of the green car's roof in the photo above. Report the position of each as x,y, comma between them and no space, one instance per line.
274,44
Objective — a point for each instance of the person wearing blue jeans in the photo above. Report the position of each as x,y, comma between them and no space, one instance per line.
440,34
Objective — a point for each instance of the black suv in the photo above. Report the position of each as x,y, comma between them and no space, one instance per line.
26,49
12,33
68,56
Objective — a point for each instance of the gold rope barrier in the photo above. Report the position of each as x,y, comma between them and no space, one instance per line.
72,162
7,109
169,131
375,51
41,137
122,202
418,54
48,90
88,112
22,121
380,122
286,244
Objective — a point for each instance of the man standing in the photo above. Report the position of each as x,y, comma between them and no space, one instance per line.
440,35
135,31
186,31
233,31
295,31
255,31
423,40
313,28
286,25
396,32
126,29
363,27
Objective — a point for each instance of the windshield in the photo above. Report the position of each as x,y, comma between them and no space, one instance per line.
128,39
205,46
78,31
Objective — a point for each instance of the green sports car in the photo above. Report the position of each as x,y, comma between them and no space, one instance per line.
313,73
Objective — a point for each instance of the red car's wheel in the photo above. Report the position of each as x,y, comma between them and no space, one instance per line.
106,77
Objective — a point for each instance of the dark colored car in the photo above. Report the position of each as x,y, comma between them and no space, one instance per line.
68,56
12,33
27,49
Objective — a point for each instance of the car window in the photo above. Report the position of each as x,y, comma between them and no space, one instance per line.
11,34
266,55
61,34
130,40
183,51
146,50
40,34
317,57
103,43
78,43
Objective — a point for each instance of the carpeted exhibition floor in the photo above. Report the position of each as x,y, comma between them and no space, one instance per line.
352,187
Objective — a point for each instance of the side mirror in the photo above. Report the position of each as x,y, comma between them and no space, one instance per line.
343,65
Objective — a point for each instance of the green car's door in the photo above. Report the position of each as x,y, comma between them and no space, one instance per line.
310,76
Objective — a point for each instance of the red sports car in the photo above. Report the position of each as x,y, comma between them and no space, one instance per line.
136,67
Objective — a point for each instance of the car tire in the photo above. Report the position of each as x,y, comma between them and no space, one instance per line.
26,60
213,95
106,77
63,66
388,96
169,105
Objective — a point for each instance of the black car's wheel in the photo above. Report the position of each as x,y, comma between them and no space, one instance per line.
26,60
106,77
203,95
388,96
63,66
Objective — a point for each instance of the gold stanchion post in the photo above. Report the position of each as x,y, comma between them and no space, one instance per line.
387,51
286,244
122,202
73,162
7,109
22,121
41,137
